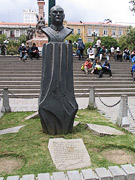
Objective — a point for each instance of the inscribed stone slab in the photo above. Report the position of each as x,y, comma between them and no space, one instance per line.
104,130
68,154
11,130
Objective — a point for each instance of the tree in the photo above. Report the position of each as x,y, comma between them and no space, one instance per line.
128,41
22,39
109,41
73,37
133,5
3,37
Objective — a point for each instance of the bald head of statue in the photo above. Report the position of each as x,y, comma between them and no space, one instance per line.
57,15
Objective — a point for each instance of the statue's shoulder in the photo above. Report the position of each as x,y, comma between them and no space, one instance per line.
46,29
68,29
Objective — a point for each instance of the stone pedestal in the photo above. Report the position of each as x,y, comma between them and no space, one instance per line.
92,104
122,119
5,106
57,104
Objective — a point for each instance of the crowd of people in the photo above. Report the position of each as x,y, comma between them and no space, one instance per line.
26,51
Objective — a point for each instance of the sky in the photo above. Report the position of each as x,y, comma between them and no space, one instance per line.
75,10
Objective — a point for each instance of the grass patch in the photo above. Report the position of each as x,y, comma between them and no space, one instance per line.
30,144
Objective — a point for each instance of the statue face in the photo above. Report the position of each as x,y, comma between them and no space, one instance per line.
57,15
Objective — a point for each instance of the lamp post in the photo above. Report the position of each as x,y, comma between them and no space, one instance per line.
94,34
50,5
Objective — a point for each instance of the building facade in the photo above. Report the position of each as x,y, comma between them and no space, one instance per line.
85,30
88,30
29,16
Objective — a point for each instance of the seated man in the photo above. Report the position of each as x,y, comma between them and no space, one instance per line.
103,53
106,68
90,53
23,52
98,68
34,52
127,54
87,66
118,54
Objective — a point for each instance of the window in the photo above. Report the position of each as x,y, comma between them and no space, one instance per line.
97,32
17,33
90,39
12,34
72,31
79,31
89,31
114,32
105,32
120,32
0,32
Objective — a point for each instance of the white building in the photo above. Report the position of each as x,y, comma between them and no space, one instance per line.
29,16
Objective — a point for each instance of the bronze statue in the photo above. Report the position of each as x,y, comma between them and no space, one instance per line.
57,32
57,104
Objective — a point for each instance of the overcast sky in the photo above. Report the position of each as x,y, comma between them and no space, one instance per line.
75,10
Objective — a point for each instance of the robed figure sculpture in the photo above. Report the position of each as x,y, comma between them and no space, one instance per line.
57,104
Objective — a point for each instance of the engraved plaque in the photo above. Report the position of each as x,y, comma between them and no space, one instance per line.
68,154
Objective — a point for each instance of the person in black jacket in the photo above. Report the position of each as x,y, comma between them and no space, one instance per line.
34,52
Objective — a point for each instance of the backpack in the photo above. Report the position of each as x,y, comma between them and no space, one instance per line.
81,45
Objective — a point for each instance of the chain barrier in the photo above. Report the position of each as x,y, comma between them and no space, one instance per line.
131,115
84,93
106,104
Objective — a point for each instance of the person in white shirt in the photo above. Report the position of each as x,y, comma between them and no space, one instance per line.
90,53
98,44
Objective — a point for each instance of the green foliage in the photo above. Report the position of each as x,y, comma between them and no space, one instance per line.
12,48
3,37
128,41
30,143
109,41
73,37
22,39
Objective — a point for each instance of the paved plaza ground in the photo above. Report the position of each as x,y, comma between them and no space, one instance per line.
110,113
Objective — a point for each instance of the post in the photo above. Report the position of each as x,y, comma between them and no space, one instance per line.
92,104
122,119
51,4
5,106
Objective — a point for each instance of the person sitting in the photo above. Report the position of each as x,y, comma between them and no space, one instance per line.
97,68
133,72
103,53
23,52
90,53
127,54
87,66
34,52
106,68
118,54
133,55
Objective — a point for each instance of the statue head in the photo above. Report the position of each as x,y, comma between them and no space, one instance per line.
57,15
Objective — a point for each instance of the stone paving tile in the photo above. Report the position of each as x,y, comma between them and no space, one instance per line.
11,130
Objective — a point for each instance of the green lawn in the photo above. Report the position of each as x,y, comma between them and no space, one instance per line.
30,144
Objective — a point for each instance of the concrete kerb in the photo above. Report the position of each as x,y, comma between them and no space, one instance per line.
125,172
